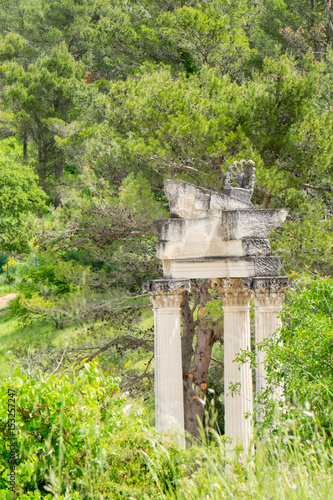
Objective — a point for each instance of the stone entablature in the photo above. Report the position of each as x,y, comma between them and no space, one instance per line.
214,235
215,267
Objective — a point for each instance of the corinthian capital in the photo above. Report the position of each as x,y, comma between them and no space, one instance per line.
269,292
234,291
166,294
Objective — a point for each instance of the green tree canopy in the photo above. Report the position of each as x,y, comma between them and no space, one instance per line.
19,194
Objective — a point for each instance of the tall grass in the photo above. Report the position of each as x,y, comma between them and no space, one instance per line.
80,439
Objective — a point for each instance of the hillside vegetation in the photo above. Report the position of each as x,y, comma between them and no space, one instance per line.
101,101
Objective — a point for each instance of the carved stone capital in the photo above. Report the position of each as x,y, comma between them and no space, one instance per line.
166,294
165,286
234,292
269,292
166,301
269,300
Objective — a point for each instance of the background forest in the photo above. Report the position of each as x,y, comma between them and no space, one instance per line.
100,102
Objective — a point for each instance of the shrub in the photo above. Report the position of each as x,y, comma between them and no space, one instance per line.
300,358
75,435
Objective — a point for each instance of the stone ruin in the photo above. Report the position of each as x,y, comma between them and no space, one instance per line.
222,237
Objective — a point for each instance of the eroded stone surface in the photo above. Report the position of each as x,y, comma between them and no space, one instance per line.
256,246
165,286
188,201
267,266
254,223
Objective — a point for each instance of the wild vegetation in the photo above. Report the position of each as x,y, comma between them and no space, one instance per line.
100,102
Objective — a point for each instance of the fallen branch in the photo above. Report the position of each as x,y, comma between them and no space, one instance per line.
128,342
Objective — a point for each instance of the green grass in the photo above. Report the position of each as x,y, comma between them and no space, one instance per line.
6,289
18,334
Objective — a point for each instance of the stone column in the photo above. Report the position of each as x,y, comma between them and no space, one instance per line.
166,296
269,294
236,337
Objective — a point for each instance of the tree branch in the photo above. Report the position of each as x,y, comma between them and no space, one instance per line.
217,361
133,380
59,364
316,188
127,341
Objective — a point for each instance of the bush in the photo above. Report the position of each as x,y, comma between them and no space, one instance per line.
45,279
52,290
75,435
300,358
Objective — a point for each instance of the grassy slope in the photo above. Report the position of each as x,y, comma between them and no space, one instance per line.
17,335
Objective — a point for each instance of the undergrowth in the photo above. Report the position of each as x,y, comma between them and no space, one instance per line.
80,438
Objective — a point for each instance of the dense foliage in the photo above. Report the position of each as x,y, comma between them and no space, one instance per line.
77,438
299,358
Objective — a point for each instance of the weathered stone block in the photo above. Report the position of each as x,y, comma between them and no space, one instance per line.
238,193
219,267
255,246
192,202
209,268
254,223
267,266
184,238
214,247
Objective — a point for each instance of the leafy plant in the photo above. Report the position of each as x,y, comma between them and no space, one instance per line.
75,436
300,359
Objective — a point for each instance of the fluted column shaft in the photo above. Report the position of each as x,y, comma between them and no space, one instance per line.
268,306
237,337
169,400
269,295
169,403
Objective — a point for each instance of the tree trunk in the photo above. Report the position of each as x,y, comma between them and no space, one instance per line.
58,170
42,167
328,14
196,360
25,145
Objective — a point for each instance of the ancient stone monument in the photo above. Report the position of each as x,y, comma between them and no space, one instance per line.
222,237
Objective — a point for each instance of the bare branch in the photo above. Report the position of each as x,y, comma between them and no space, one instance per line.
217,361
316,188
128,342
59,364
134,380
